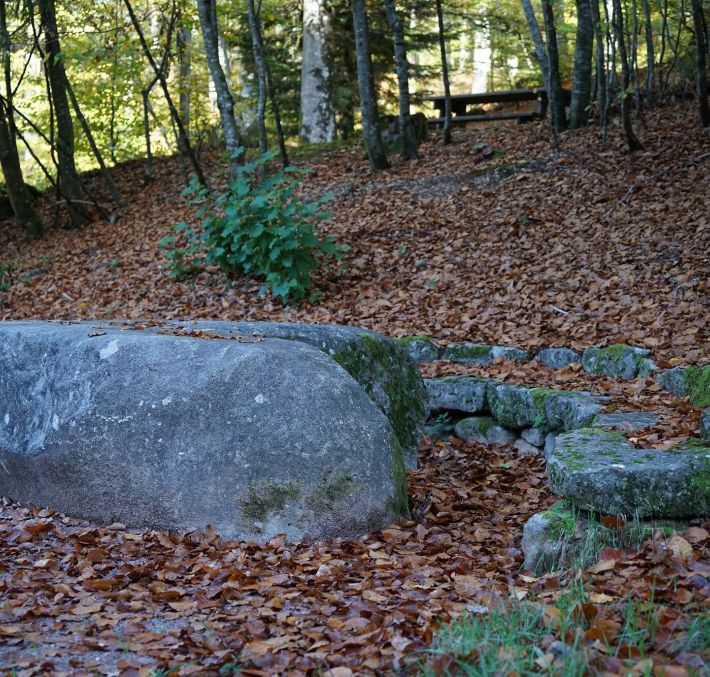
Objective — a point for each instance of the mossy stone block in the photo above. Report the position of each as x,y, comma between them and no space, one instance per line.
602,471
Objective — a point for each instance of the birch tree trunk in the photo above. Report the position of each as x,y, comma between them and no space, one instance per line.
554,85
317,116
406,129
618,21
69,181
582,74
366,87
444,73
207,9
701,50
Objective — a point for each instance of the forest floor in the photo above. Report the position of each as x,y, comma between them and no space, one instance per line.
495,239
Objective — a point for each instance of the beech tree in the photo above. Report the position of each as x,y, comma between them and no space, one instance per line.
554,84
406,128
701,56
69,183
317,115
582,73
444,72
207,10
17,190
366,87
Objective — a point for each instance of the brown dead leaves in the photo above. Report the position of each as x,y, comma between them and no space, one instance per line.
112,598
512,249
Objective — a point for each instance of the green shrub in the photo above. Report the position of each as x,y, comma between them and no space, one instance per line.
259,228
7,269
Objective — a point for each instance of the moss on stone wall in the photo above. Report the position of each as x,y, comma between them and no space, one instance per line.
698,381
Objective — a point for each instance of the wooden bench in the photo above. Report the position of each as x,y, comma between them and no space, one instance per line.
461,102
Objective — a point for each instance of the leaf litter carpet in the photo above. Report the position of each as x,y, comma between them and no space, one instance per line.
78,598
516,246
495,239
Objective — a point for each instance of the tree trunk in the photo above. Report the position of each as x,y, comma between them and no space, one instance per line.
366,87
618,20
184,54
444,73
406,128
534,29
207,9
258,52
183,140
317,116
17,191
94,148
701,49
554,86
582,74
648,28
69,181
600,67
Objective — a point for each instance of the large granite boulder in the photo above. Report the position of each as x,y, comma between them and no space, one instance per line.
626,421
379,364
253,436
602,471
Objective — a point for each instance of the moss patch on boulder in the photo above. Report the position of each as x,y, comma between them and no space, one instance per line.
392,381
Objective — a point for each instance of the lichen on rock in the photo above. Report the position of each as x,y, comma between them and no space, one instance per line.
618,361
603,471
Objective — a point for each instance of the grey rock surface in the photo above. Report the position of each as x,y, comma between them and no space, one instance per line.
626,421
705,424
508,353
526,449
544,544
549,444
602,471
618,361
254,436
673,380
558,358
571,410
534,436
379,364
460,393
484,429
515,406
468,353
421,349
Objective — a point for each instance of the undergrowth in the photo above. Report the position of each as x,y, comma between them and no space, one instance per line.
258,227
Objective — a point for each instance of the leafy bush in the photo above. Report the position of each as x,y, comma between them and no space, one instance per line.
258,228
6,275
